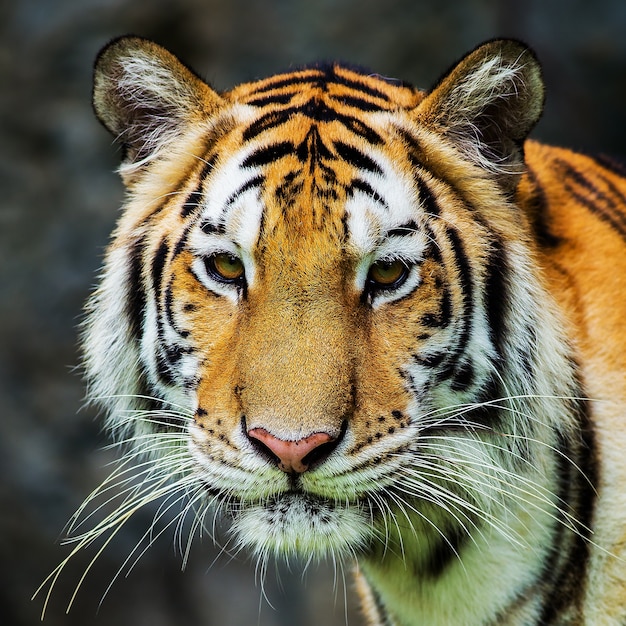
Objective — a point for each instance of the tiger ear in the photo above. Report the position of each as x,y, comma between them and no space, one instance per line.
487,105
145,96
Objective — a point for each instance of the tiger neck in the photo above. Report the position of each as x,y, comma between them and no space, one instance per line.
460,579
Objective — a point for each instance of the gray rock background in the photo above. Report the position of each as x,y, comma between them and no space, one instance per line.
59,199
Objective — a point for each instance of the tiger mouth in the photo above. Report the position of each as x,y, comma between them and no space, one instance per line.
296,523
312,505
278,502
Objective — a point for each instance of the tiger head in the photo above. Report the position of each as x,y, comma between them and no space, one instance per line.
319,308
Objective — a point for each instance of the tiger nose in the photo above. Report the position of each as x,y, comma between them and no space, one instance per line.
293,456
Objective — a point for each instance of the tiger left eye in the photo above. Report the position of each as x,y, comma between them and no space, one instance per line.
225,267
387,274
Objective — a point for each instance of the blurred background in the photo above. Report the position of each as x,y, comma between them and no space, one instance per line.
60,199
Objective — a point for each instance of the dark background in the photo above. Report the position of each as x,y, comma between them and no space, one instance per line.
59,199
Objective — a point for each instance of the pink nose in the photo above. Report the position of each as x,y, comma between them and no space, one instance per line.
291,454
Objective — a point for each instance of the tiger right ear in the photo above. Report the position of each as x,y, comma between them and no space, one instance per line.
487,105
145,96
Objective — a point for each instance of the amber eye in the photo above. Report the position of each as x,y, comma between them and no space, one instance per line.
225,267
387,274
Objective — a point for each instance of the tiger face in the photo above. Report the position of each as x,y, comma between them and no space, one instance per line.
322,315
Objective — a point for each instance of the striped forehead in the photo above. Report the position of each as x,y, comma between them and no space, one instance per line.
306,162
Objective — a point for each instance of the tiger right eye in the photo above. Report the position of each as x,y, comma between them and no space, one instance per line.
387,274
225,267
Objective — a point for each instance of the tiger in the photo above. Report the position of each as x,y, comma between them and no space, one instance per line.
370,323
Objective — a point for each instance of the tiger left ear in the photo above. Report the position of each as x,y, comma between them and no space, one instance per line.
145,96
487,105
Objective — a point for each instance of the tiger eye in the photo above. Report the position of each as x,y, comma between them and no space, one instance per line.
226,267
387,273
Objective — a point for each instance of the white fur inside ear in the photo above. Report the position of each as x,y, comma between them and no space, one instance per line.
147,83
492,81
487,105
155,100
147,98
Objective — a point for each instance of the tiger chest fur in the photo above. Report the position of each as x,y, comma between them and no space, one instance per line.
367,322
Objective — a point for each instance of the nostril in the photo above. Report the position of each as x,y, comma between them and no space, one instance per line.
263,449
324,450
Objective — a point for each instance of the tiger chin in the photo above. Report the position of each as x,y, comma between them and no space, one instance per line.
371,323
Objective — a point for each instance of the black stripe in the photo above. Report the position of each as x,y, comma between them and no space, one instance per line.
433,251
525,352
174,353
169,313
312,149
550,568
430,360
486,406
164,370
295,79
182,242
158,263
427,200
497,296
163,366
269,120
209,166
289,188
268,154
445,552
317,111
323,76
358,103
611,163
443,315
538,209
360,185
136,294
403,230
412,148
279,98
320,112
620,206
209,228
193,201
463,377
578,480
257,181
463,266
356,158
382,616
608,212
359,86
414,153
598,212
361,129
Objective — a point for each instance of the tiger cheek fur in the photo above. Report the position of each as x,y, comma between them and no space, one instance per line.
359,320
